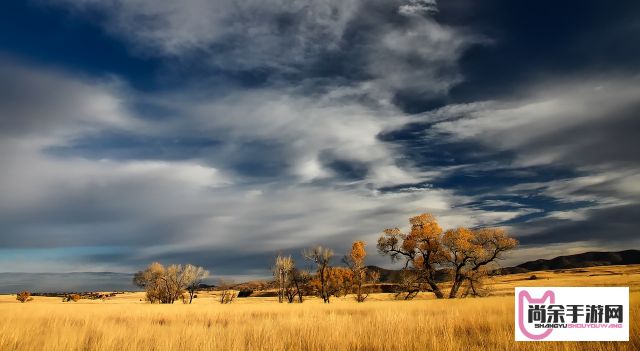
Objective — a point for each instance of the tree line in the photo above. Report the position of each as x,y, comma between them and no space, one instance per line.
293,283
432,258
460,258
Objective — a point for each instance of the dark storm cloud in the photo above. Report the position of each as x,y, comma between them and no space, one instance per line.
534,39
65,282
440,152
568,145
603,225
611,140
254,158
111,213
344,168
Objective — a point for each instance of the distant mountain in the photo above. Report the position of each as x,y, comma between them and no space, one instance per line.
586,259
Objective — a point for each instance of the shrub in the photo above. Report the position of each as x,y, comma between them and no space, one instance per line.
24,296
245,293
533,277
71,297
227,296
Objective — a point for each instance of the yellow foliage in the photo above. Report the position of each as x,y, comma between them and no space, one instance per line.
461,251
24,296
358,252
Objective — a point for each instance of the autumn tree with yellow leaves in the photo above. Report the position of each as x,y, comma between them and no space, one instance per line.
359,273
24,296
427,252
339,281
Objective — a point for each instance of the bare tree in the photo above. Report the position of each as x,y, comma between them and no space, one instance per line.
167,284
152,280
227,294
321,257
195,277
298,285
292,282
282,270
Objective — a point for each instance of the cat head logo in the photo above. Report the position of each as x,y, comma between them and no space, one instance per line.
548,295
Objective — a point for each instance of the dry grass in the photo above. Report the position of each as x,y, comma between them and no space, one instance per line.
125,323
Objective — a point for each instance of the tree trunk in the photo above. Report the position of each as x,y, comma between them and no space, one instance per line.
359,292
323,285
436,289
455,287
298,292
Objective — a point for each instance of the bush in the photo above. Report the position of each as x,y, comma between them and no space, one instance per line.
227,296
24,296
533,277
71,297
245,293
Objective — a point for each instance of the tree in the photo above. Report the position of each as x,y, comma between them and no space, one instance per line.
298,285
227,294
339,281
355,262
166,285
194,277
469,252
72,298
291,281
282,273
427,253
24,296
410,285
421,248
321,257
152,280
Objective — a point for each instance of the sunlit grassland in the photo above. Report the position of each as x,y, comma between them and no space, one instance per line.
381,323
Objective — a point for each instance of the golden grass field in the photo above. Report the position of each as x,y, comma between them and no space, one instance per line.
381,323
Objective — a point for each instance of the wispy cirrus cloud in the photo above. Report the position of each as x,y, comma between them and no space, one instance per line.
59,194
273,125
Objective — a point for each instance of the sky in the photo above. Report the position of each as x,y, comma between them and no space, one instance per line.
223,132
